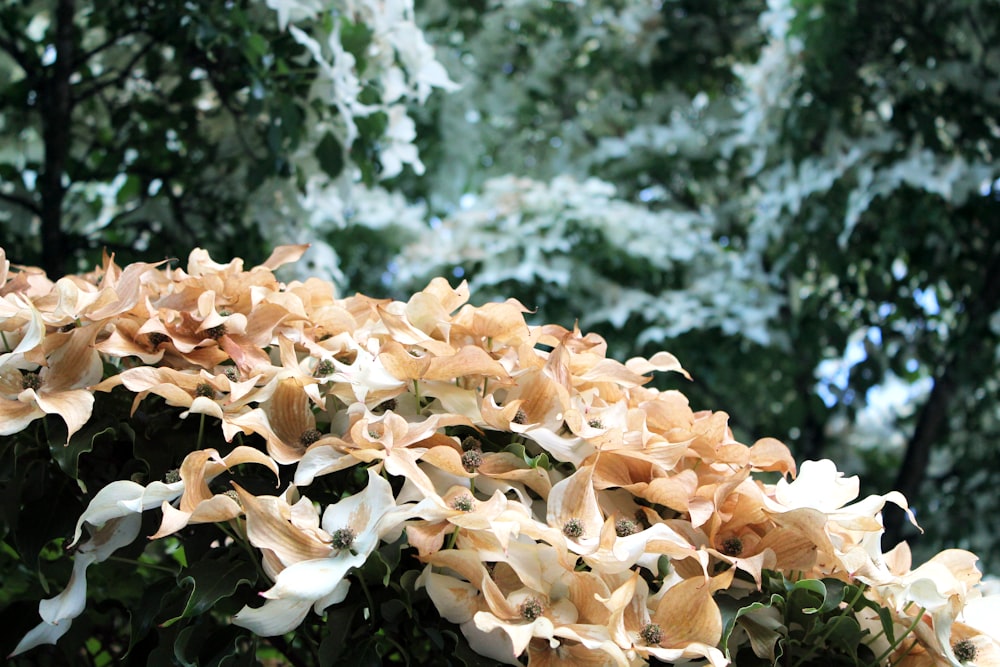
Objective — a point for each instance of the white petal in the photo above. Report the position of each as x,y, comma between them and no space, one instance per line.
454,599
314,579
43,633
70,603
115,500
362,513
321,460
276,617
335,597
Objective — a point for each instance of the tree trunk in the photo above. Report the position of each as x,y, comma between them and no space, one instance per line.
968,362
57,109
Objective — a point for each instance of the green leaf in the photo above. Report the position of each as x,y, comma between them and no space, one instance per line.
844,633
211,581
339,621
129,190
83,441
142,616
732,611
808,590
330,155
540,461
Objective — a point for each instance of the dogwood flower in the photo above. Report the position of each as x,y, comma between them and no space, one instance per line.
314,568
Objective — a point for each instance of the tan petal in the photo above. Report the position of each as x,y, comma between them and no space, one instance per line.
499,322
289,413
284,254
74,406
575,498
16,415
675,491
661,361
216,509
469,360
126,290
255,421
172,521
427,537
799,537
73,361
192,471
268,529
687,613
400,363
772,454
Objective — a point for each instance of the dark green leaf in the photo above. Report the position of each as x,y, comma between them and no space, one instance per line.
330,155
210,581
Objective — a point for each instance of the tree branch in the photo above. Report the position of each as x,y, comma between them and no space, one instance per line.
97,86
19,56
23,202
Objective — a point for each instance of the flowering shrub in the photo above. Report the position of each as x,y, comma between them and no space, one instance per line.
349,480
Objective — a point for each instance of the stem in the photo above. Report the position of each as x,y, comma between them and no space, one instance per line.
368,596
236,535
888,651
139,563
905,653
452,538
829,628
201,429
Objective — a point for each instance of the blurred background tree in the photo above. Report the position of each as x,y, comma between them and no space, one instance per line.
799,198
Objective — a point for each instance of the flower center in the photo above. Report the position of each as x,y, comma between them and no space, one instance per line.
309,436
965,650
232,373
463,504
324,367
343,538
520,417
216,332
732,546
30,381
595,423
651,633
626,527
471,460
573,528
530,609
205,389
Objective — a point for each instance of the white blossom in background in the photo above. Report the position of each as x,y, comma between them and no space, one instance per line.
878,163
553,236
401,68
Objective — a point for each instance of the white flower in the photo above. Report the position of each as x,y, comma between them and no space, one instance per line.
354,525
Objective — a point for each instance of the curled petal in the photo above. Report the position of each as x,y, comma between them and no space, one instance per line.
275,617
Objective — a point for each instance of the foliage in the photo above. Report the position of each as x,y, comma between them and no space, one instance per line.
137,128
420,482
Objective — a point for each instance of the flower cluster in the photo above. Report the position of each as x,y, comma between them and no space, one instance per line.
560,510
